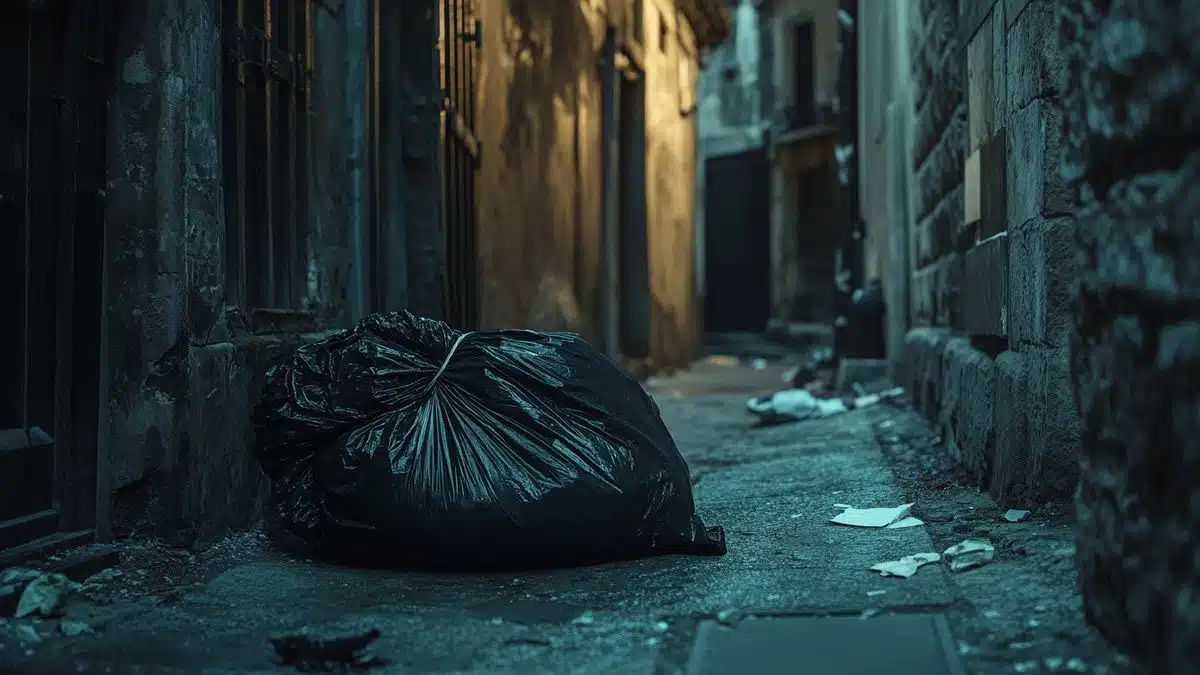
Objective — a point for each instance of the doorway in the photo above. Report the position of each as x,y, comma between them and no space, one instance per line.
634,256
626,300
737,243
55,58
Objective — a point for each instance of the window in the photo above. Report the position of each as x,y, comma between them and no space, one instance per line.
267,44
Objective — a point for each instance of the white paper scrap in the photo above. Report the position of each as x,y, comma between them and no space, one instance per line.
876,517
906,566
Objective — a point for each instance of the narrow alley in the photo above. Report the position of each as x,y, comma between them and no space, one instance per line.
773,489
697,337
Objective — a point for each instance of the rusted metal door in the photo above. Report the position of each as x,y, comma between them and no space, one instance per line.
54,64
267,46
461,39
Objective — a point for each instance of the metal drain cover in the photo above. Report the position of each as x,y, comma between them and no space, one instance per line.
897,644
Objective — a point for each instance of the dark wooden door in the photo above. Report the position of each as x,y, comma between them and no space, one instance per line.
737,243
54,61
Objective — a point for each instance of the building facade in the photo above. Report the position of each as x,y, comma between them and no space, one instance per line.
586,202
770,227
1037,243
197,187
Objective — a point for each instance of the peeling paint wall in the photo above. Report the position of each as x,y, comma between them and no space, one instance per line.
540,176
540,181
183,370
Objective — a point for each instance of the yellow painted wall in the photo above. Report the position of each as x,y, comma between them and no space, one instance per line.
540,181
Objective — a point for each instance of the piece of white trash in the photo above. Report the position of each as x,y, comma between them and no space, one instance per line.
795,404
1015,515
872,594
907,521
969,553
906,566
877,517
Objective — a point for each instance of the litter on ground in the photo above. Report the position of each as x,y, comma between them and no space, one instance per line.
968,554
1015,515
905,567
883,517
45,596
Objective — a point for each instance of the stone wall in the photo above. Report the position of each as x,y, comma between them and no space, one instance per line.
1135,342
183,367
993,244
541,187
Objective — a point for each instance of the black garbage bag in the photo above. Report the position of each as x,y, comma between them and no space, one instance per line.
405,442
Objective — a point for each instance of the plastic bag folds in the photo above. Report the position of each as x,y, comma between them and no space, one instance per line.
404,442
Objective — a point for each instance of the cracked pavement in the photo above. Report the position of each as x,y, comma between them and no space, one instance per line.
773,489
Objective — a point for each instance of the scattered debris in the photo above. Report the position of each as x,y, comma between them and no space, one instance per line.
874,399
869,612
104,576
28,634
46,596
968,554
309,653
894,517
730,617
1015,515
794,405
18,575
905,567
74,628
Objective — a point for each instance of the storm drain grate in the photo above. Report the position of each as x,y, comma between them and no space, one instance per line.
898,644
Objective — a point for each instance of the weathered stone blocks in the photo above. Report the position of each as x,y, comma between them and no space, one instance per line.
1132,114
1042,279
968,378
1036,66
1035,185
984,298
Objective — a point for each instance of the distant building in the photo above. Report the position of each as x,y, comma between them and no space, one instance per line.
767,129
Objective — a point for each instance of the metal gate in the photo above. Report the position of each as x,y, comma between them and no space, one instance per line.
265,149
54,62
461,39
